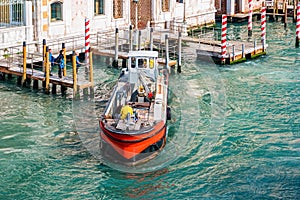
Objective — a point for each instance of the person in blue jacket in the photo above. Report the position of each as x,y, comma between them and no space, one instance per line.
52,60
78,63
60,62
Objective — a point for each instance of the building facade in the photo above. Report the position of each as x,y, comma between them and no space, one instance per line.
35,20
231,7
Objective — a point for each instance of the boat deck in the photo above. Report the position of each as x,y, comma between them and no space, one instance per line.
144,122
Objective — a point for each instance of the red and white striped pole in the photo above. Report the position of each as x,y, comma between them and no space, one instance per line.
87,40
298,26
263,26
250,18
223,39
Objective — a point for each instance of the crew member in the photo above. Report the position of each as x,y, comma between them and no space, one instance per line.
127,109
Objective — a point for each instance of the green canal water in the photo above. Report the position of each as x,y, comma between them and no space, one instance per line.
234,134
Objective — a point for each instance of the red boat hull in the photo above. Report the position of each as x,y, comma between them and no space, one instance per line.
130,146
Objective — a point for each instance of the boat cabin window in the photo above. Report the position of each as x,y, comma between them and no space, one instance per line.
142,62
132,61
139,62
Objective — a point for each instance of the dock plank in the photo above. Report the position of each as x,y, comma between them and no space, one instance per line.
39,75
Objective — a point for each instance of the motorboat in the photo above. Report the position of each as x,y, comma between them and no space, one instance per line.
134,122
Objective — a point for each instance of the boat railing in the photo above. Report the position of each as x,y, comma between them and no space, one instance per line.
109,103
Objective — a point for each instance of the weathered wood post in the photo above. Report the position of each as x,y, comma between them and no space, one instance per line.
115,61
167,50
53,91
179,53
233,53
24,64
250,18
298,26
139,40
294,10
47,71
263,27
272,19
130,37
63,47
151,39
44,53
243,50
276,9
285,13
91,76
223,39
75,94
35,84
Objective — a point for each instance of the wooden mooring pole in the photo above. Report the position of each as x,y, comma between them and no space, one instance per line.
233,53
24,64
44,53
139,40
179,53
91,78
250,19
75,93
285,14
167,51
47,64
115,61
63,46
243,50
130,38
35,84
294,10
151,39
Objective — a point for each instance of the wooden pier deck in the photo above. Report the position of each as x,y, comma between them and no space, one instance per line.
236,51
164,41
37,75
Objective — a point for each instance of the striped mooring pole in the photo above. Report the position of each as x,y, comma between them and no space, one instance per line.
223,38
87,40
250,18
298,26
263,27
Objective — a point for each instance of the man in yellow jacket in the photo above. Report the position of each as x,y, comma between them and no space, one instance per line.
127,109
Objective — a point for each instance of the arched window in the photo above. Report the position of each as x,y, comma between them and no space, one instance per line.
56,11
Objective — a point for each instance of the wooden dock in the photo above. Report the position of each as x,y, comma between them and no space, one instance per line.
165,42
37,76
34,74
236,51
